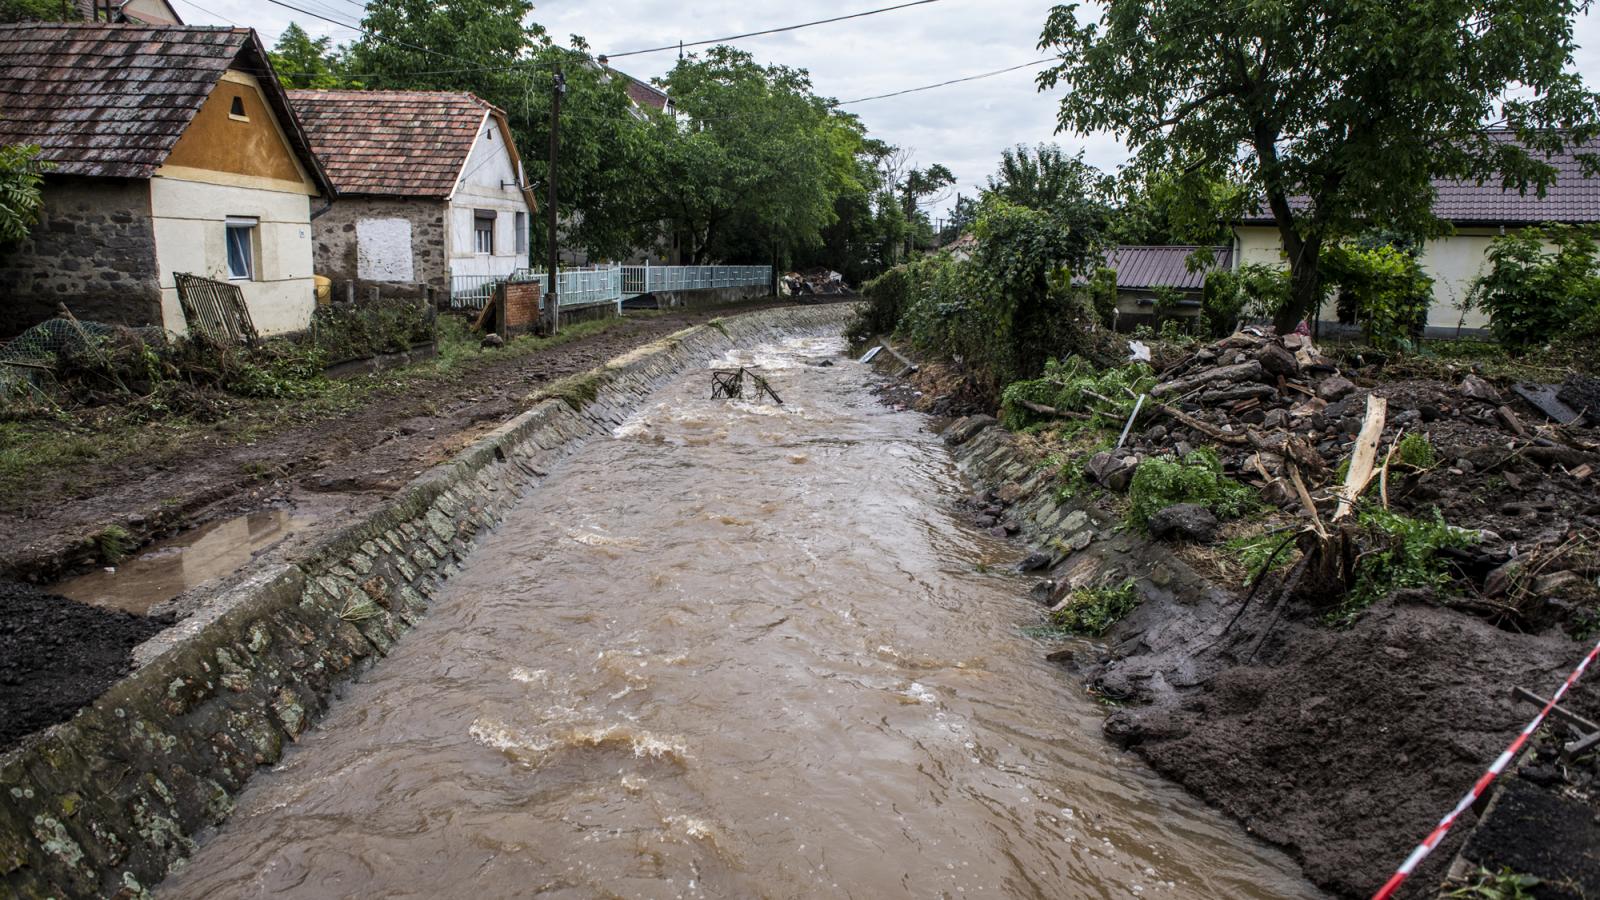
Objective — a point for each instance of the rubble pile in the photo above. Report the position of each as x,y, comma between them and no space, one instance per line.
1517,466
818,282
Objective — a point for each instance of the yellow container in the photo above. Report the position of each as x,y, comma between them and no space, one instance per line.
324,289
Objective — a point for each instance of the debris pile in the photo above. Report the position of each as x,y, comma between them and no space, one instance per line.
817,282
1514,467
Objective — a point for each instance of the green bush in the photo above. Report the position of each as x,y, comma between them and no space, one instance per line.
1533,294
1071,386
1253,291
1093,610
1384,287
1403,553
1162,481
344,332
1416,451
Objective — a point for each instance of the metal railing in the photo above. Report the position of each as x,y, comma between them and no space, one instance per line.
610,284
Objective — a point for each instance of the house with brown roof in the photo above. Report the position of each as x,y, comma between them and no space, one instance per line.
1476,213
431,190
138,12
167,150
1146,273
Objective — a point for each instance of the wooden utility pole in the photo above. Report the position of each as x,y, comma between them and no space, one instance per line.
552,302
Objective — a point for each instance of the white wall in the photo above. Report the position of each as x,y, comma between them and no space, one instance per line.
189,219
1452,262
488,167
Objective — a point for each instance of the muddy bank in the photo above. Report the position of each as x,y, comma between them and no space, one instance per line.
1344,746
58,654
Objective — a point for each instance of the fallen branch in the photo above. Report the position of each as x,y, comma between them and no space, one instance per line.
1211,431
1364,457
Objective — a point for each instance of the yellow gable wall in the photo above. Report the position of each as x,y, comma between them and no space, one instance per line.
220,148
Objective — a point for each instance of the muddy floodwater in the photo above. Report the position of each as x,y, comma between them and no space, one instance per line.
736,650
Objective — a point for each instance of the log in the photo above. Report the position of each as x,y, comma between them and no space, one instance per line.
1249,370
1227,437
1364,458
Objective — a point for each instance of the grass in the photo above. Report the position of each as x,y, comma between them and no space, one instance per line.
113,543
577,391
1416,451
1502,885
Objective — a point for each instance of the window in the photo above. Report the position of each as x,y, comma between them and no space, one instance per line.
483,230
521,220
236,109
241,248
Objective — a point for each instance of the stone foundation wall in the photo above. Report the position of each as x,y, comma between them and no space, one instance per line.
94,249
104,804
396,245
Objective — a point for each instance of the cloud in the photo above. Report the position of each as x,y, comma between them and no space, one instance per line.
964,126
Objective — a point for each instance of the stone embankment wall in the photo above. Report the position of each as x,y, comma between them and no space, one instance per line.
104,804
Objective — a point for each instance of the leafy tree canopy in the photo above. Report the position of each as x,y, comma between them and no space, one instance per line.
303,62
1336,113
20,199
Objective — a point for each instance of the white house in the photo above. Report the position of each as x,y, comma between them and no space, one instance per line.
1476,213
167,150
431,191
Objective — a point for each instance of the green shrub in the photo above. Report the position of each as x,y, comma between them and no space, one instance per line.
1254,552
1403,553
1071,386
1416,451
1533,294
1093,610
1384,287
1162,481
344,332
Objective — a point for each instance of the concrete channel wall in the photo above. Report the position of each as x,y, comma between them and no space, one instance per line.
104,804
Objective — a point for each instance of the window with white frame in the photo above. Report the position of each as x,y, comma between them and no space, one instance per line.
241,236
483,230
521,222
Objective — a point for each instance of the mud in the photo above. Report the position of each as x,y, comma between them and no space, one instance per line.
58,654
365,453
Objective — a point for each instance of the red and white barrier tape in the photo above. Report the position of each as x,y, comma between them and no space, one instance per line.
1482,784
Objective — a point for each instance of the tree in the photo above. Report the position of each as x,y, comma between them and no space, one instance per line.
1337,113
302,62
1045,177
751,166
37,11
20,197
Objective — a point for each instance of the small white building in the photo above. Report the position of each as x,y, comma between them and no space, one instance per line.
1476,214
167,150
431,191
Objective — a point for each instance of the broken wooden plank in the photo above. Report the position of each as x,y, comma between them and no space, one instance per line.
1364,457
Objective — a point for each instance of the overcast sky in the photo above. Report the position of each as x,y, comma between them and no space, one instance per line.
964,126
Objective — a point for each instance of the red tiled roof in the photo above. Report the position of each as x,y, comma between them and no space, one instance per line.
112,99
1164,266
644,93
1574,198
392,143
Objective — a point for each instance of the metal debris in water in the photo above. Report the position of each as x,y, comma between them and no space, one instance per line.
729,384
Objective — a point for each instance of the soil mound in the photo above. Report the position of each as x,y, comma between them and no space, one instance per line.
57,655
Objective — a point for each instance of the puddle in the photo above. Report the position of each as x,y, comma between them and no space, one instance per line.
168,568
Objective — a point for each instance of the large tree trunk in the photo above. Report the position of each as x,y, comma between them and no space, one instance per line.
1305,286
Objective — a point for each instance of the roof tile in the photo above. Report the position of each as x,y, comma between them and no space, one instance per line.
391,143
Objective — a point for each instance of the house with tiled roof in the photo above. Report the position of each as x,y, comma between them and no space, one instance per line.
166,150
138,12
1146,272
1476,214
431,191
643,94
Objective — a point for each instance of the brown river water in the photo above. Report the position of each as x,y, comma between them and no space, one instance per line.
737,650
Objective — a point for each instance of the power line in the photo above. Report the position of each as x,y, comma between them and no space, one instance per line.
735,37
929,87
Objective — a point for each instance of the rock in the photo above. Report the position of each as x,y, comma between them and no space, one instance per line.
1184,521
1476,388
999,531
1043,591
1009,493
965,429
1555,581
1334,387
1235,393
492,340
1430,413
1275,360
1292,342
1110,470
1155,433
1033,562
1582,393
1275,418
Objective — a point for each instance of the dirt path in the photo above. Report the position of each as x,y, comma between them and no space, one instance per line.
339,463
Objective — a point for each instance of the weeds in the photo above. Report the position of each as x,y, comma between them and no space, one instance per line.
1092,611
1253,552
113,544
577,391
1502,885
1162,481
1104,396
1404,554
1416,451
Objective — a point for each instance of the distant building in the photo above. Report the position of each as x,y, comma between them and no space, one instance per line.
431,191
1477,212
1145,272
168,149
137,12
